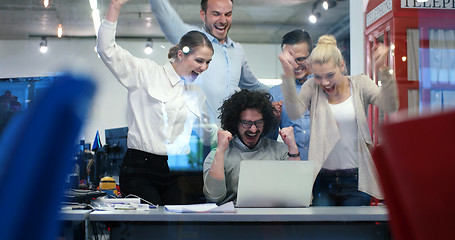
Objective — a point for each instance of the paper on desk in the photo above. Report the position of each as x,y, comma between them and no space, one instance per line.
201,208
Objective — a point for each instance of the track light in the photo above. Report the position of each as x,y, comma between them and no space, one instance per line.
327,4
59,31
148,47
314,17
43,45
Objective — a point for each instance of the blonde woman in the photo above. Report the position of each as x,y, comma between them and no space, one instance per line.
340,138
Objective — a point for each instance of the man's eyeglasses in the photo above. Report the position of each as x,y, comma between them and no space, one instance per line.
302,59
248,124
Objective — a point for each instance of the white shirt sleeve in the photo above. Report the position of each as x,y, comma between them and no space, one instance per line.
120,62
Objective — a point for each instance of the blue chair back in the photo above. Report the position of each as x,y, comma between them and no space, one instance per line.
36,152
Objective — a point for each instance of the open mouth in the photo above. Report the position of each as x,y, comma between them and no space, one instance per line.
194,74
220,28
251,136
300,69
329,89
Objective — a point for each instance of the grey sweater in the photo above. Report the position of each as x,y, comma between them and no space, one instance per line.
324,130
225,190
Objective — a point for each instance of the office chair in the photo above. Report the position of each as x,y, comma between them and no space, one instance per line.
36,149
416,165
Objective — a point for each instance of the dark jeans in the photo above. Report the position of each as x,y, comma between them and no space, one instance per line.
338,188
147,175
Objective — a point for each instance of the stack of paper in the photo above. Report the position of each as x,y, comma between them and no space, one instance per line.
108,204
201,208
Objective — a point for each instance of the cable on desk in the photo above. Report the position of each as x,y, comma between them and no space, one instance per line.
149,203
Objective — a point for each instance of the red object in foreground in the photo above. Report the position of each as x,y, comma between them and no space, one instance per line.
416,165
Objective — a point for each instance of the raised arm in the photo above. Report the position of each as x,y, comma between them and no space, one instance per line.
296,104
114,10
170,22
214,177
249,81
120,62
385,97
247,78
217,168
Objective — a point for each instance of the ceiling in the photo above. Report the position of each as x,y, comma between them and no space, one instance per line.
254,21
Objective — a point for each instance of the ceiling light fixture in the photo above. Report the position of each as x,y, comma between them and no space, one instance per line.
46,3
148,47
314,17
43,45
327,4
59,31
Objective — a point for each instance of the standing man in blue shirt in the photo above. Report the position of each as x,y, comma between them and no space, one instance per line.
301,44
228,69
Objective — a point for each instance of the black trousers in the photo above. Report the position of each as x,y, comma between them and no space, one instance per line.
147,175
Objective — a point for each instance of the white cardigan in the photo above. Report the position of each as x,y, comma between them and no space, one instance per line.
324,130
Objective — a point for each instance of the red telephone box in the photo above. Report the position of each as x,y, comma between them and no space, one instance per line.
422,41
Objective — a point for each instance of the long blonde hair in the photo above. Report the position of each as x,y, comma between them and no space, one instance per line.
326,50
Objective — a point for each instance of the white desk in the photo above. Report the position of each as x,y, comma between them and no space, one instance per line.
74,215
249,223
72,218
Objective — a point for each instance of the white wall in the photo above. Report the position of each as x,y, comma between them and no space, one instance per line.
263,60
21,58
357,40
357,43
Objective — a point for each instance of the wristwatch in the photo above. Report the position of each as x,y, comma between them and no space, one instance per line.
294,155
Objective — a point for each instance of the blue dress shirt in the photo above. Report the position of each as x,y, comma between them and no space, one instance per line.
301,125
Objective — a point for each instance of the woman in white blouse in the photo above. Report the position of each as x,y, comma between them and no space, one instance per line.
163,106
340,140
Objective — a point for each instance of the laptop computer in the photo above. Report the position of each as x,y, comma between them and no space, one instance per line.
275,184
